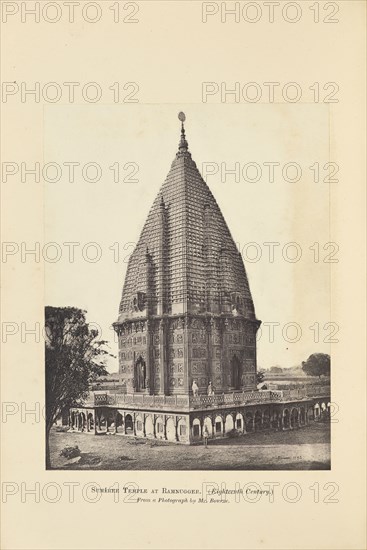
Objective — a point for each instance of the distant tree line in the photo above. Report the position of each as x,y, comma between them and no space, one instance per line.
318,364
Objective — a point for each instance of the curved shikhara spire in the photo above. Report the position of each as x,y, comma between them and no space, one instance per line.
186,260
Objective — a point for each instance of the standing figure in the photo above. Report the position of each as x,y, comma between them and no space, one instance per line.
195,388
210,388
206,435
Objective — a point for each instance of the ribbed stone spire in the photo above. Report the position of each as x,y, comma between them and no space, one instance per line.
186,311
195,265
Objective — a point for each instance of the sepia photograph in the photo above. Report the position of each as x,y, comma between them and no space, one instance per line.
183,269
185,369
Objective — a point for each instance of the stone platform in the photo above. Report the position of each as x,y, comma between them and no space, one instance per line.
181,418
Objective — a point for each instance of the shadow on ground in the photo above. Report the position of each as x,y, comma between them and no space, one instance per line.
307,448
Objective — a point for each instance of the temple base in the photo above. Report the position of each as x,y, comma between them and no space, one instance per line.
186,425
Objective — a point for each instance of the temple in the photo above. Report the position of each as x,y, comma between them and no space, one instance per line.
187,329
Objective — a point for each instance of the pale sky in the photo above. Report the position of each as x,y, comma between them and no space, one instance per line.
262,212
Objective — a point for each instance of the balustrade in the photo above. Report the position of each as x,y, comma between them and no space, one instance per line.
186,401
158,400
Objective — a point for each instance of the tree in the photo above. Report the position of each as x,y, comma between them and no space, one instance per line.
276,370
318,364
74,358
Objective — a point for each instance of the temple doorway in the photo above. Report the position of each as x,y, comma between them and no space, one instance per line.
236,372
140,374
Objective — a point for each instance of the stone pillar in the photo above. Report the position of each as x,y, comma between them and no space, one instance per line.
209,350
186,359
224,355
94,422
149,360
212,418
176,429
244,429
277,421
162,357
234,421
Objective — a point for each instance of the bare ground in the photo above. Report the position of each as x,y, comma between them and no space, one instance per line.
307,448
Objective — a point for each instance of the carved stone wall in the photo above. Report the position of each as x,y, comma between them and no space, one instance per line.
173,352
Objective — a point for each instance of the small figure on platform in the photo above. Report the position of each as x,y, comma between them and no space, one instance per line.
205,435
195,388
210,388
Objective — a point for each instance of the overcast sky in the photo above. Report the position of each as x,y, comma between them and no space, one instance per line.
112,214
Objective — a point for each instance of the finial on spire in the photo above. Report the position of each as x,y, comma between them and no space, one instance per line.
183,145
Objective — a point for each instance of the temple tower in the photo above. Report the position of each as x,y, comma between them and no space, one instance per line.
186,311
